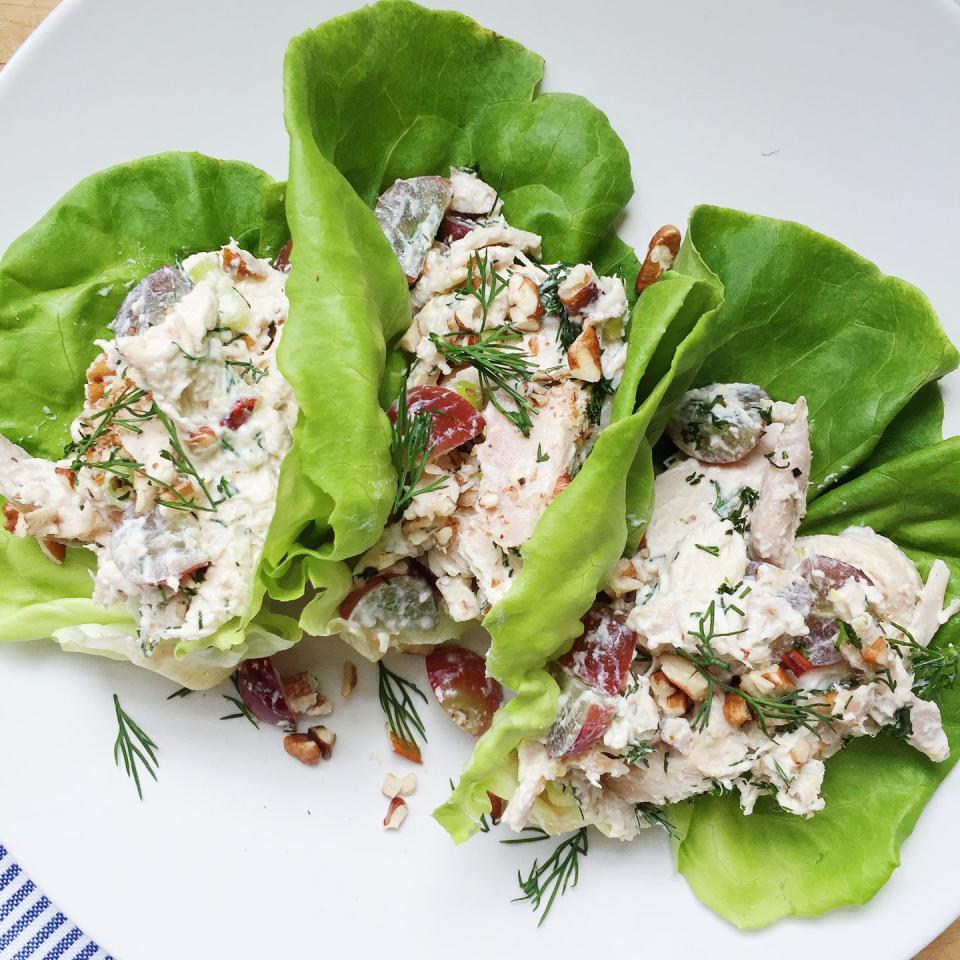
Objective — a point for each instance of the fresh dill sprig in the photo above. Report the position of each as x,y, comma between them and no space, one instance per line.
104,420
602,389
180,694
181,462
655,816
787,709
935,669
247,367
500,363
560,870
567,330
737,509
638,752
410,451
242,711
108,418
483,282
396,700
143,751
708,548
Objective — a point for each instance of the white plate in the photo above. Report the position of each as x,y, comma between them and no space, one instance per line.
838,115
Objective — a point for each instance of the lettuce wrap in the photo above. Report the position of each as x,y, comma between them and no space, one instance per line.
800,315
61,284
361,113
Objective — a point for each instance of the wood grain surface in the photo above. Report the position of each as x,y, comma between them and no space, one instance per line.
18,19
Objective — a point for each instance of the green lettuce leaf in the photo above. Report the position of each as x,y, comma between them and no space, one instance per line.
919,424
754,870
61,283
802,314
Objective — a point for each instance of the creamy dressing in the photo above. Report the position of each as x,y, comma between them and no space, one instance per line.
171,478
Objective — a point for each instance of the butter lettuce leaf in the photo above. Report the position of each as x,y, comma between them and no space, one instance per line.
803,314
754,870
919,424
61,284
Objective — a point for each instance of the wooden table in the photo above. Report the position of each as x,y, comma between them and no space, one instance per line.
18,19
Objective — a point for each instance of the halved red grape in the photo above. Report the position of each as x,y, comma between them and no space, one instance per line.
454,420
583,717
170,550
397,604
720,423
358,592
456,228
825,574
410,213
821,642
148,302
460,682
261,689
601,656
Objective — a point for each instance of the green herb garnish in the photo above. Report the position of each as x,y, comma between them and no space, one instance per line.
501,363
655,816
559,871
410,452
489,287
398,706
790,708
133,755
602,389
242,711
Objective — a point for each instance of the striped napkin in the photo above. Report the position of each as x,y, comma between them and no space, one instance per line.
31,926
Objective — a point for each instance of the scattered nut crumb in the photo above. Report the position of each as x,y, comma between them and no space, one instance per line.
394,786
391,785
303,748
396,814
349,682
305,698
324,739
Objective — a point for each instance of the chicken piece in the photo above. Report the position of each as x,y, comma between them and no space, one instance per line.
471,196
720,751
520,473
894,576
535,768
784,449
48,504
927,734
930,614
613,816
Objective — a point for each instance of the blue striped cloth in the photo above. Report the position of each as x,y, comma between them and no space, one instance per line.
31,926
